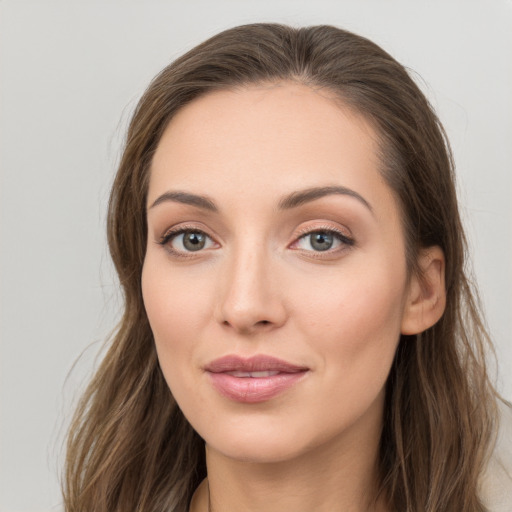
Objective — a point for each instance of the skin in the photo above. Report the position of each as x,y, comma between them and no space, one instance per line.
259,287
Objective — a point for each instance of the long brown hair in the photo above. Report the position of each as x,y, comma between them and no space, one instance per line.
130,447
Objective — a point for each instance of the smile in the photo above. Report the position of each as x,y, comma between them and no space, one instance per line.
253,380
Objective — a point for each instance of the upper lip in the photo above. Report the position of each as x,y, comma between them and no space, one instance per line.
258,363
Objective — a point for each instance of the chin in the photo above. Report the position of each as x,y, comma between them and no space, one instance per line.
261,444
257,452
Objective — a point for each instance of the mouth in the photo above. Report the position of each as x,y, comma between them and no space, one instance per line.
254,375
256,379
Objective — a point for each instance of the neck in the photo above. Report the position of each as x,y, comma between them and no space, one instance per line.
339,475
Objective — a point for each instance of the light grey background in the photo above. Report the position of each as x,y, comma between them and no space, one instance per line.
71,72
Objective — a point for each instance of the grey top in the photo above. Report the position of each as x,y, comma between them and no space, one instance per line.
497,480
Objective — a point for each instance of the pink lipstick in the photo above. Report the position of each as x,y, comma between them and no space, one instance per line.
256,379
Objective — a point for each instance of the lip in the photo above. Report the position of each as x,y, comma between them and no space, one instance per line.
253,389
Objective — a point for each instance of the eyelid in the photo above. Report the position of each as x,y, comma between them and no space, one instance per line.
184,227
322,227
346,240
175,231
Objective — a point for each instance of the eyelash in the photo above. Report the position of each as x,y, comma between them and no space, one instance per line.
173,233
346,241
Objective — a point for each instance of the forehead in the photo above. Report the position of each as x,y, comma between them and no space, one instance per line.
271,137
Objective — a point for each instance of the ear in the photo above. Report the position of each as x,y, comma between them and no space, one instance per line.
426,299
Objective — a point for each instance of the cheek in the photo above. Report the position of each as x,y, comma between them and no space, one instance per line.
177,310
174,299
355,327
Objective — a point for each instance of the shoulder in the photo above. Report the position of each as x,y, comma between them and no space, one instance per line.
497,479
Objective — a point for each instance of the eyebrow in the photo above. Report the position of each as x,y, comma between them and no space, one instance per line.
186,198
293,200
301,197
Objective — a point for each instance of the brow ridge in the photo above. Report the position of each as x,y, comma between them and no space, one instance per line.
186,198
293,200
301,197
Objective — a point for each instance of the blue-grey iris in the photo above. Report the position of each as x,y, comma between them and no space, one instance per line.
321,241
194,241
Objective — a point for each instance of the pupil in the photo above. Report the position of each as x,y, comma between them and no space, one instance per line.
321,241
194,241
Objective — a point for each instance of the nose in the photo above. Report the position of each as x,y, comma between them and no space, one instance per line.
251,297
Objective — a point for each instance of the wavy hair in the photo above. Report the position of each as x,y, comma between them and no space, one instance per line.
130,447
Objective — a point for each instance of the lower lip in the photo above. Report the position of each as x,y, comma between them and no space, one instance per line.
254,389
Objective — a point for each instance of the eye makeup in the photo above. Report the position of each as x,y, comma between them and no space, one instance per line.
318,241
193,241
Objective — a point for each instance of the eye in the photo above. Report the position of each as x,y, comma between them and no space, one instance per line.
186,240
323,240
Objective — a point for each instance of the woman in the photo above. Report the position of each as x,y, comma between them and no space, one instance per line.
299,333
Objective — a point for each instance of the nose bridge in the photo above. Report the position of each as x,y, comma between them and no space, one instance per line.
250,299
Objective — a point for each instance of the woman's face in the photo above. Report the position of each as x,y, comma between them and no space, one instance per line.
275,277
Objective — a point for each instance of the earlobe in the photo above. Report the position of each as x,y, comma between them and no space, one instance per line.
426,300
